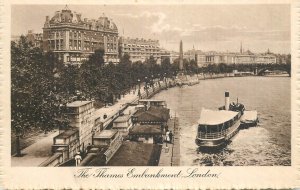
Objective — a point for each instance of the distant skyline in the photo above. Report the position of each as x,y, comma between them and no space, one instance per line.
206,27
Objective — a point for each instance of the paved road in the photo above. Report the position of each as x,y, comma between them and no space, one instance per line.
36,153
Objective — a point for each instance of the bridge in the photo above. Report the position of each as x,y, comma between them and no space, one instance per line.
263,69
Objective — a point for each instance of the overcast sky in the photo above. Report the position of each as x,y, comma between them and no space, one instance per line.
207,27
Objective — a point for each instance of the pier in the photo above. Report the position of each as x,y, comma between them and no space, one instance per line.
170,153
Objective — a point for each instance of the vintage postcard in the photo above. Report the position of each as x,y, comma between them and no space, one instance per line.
149,94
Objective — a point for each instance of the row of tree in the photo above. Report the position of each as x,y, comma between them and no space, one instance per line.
41,84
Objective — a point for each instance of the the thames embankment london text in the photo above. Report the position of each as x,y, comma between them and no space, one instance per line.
145,173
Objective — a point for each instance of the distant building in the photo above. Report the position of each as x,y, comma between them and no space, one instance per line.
80,115
36,39
243,57
73,39
172,55
190,55
140,49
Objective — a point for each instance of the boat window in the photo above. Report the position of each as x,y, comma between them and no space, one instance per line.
201,128
220,127
212,128
226,125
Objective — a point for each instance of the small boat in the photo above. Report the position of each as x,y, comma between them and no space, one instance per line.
216,127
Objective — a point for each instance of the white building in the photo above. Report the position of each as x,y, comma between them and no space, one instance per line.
80,115
140,49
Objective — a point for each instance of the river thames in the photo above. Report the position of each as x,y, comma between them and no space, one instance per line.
267,144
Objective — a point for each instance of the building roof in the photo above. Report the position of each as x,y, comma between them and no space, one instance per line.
164,113
106,134
67,16
153,114
78,103
146,130
146,116
68,133
122,118
215,117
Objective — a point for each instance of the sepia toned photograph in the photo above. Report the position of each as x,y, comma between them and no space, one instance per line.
150,85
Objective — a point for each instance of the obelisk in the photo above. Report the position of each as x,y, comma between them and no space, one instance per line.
181,57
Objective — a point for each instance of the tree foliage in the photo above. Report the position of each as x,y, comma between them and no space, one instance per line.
33,87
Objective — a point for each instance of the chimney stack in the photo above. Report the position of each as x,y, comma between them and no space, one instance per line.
227,100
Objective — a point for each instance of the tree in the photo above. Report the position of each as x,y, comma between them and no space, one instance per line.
97,58
125,59
34,102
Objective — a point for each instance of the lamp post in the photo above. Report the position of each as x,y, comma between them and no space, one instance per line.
146,86
139,92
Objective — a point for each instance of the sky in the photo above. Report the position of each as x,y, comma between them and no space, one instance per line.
206,27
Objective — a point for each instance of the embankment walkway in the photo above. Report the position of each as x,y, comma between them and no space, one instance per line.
170,153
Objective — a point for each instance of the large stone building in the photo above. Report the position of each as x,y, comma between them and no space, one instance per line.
74,38
140,49
247,57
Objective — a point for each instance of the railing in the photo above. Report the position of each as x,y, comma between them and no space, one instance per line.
220,134
212,135
54,160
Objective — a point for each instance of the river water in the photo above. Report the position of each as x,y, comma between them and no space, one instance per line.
267,144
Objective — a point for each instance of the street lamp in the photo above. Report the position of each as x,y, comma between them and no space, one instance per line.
146,86
139,92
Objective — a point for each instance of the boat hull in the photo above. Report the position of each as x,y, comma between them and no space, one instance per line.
210,142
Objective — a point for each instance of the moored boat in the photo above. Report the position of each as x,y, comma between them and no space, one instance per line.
216,127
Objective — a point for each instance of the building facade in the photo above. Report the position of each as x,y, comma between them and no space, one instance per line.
140,49
205,58
73,39
81,115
